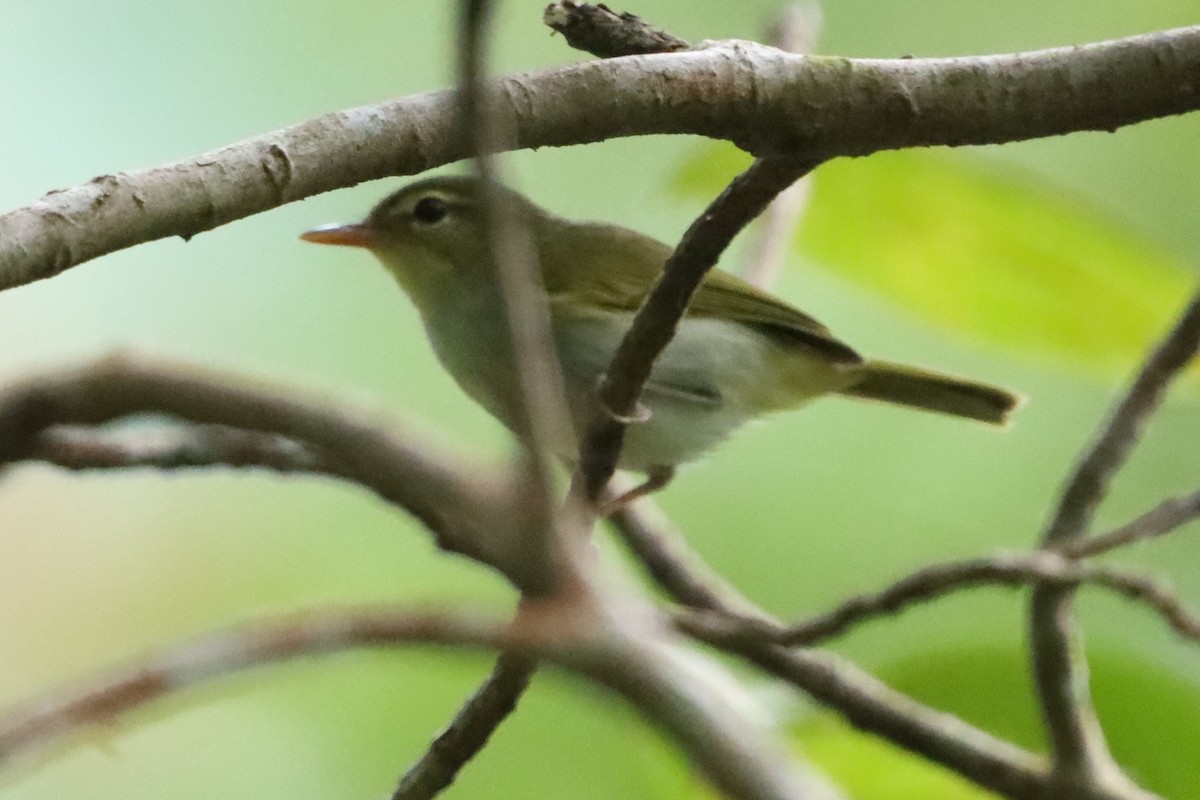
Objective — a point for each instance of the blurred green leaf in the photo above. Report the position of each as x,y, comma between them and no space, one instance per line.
868,768
980,253
1148,713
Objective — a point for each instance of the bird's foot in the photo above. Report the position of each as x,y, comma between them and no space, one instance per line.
656,478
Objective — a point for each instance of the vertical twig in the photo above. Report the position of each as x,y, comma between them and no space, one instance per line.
469,731
1158,521
654,325
796,29
541,407
1059,665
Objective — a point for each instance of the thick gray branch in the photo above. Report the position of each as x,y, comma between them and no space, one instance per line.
467,510
725,745
175,447
768,100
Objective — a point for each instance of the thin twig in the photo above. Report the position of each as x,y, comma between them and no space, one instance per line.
1089,483
469,731
541,420
540,397
930,583
1164,518
1059,664
860,697
796,30
100,700
598,30
655,322
871,706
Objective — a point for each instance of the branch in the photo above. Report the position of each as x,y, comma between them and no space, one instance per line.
862,699
470,730
468,512
1059,664
1038,568
685,701
654,325
645,530
871,706
1164,518
40,723
541,418
1088,485
770,101
647,533
728,748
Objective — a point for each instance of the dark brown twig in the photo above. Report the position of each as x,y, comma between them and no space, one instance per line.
1059,666
1164,518
873,707
930,583
1089,483
599,30
866,702
469,731
655,323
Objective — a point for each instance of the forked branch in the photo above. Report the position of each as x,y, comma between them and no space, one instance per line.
773,102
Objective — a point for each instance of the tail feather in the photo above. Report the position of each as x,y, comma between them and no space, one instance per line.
918,388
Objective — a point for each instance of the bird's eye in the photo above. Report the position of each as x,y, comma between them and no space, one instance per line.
430,210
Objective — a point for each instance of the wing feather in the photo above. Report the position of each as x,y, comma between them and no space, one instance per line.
576,264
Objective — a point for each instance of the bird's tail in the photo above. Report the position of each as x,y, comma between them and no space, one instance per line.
918,388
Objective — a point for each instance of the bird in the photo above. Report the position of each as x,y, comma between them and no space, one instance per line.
738,354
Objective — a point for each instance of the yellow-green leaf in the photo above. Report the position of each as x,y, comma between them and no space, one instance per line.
865,767
980,253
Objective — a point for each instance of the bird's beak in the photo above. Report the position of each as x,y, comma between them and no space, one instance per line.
350,235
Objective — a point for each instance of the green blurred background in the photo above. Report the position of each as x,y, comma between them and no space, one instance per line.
798,512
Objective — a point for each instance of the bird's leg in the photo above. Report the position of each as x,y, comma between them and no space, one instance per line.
656,478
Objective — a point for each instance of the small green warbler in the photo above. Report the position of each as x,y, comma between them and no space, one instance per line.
738,354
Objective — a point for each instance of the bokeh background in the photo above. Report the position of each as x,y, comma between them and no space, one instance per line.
798,512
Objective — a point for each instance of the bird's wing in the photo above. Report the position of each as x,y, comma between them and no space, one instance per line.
577,269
